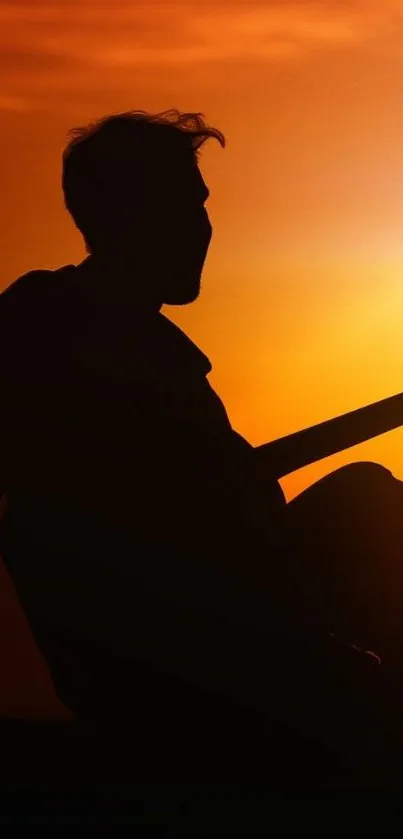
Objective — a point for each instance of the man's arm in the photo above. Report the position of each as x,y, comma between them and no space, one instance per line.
287,454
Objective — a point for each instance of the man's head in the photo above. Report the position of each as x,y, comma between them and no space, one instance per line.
132,184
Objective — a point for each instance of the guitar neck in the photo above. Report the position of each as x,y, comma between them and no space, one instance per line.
287,454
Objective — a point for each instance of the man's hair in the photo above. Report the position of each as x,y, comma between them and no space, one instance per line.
104,156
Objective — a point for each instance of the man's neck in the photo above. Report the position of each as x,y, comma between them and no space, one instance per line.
115,283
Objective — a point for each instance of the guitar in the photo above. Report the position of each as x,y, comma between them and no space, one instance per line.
287,454
294,451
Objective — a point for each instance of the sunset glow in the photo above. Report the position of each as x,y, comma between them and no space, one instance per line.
302,306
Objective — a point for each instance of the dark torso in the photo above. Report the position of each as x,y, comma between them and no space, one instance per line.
117,414
122,470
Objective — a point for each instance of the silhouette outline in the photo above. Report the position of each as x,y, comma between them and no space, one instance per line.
165,579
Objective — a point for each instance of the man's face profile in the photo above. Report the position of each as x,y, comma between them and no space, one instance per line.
185,233
170,231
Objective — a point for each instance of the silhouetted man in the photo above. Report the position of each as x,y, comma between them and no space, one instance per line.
140,526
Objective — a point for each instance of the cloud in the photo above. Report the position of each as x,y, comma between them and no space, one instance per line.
77,45
14,103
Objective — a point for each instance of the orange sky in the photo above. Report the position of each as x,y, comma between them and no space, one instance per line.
300,311
302,304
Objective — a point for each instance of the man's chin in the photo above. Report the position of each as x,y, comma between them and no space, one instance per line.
181,297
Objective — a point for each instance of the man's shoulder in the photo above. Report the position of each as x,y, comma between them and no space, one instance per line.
29,284
25,301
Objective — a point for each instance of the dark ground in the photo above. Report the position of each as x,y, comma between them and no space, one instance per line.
62,773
